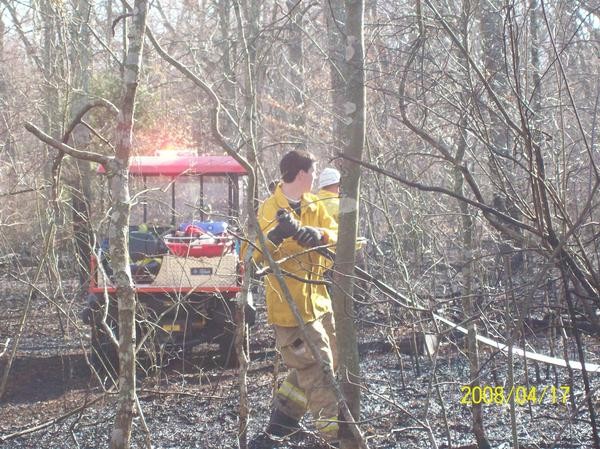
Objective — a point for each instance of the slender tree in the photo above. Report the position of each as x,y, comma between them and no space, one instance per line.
119,229
81,191
353,141
335,20
467,230
295,51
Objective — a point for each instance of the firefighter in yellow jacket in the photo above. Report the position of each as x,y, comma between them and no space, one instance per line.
329,191
294,220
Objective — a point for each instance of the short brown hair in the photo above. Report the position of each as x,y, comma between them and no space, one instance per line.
294,161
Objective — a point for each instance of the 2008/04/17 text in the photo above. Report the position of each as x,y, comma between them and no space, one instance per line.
521,394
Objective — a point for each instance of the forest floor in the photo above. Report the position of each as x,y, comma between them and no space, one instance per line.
194,404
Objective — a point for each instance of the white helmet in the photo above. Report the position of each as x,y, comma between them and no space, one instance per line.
328,177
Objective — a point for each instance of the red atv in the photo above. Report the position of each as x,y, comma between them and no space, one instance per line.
184,261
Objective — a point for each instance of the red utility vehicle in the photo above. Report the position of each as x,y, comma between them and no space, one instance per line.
183,258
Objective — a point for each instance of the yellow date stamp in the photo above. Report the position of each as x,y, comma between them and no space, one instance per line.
521,394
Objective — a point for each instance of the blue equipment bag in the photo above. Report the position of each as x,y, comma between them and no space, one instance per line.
212,227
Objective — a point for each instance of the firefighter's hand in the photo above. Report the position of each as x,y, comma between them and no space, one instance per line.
287,226
309,237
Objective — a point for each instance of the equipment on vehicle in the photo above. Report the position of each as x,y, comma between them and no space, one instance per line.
183,258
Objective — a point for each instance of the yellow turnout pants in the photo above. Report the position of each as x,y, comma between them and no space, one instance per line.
306,386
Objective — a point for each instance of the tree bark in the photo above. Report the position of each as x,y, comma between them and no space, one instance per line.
335,18
51,62
247,18
251,128
353,144
467,228
6,141
492,39
1,36
295,47
82,196
225,46
241,336
118,234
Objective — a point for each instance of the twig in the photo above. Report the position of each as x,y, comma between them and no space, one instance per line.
147,434
180,393
52,421
267,270
5,347
19,192
423,425
105,45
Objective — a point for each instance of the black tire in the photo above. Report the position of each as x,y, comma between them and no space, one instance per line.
228,357
224,322
149,356
104,355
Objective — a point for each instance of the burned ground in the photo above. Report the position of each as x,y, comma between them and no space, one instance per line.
193,404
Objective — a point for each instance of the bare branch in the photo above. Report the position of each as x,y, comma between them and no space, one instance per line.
5,347
488,210
79,154
19,192
78,118
118,19
52,421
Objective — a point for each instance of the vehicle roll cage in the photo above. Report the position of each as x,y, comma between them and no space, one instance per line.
233,198
178,165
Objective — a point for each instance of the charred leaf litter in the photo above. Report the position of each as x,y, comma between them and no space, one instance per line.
194,404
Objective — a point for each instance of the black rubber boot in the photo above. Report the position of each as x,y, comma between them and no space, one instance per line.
282,425
265,441
344,432
281,428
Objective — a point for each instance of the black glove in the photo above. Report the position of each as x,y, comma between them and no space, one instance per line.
287,226
308,237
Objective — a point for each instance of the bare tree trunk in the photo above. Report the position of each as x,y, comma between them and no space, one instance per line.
335,17
81,196
224,8
51,66
247,17
241,336
469,303
251,125
499,135
50,63
510,336
109,20
1,36
295,46
7,144
353,144
6,147
492,39
118,234
534,25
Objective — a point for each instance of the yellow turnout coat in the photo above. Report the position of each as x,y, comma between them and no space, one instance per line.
331,201
311,299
